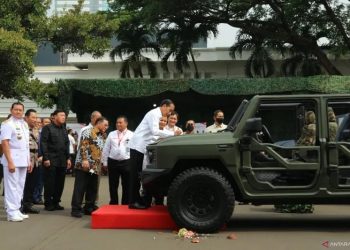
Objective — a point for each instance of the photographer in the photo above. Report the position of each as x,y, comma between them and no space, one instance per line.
88,167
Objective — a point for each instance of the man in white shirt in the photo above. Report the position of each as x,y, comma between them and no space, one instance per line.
1,168
16,160
115,156
218,122
144,134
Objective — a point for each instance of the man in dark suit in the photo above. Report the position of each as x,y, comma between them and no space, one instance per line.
54,144
27,200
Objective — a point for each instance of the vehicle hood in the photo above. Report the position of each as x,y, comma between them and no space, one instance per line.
198,139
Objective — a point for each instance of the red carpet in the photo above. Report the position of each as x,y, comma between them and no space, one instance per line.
116,216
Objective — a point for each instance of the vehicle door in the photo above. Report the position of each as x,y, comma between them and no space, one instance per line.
281,156
338,144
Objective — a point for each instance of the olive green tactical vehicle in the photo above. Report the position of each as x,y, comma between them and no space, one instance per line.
257,160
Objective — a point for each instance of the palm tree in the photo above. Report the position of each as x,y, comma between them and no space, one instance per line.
179,38
301,64
260,62
133,41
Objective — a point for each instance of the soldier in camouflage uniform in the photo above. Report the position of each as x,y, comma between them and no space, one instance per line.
332,125
308,134
307,138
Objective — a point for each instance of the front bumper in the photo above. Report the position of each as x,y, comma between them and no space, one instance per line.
156,181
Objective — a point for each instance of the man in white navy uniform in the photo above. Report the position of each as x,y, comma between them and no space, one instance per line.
143,135
16,161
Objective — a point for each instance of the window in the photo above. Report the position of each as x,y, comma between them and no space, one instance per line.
285,123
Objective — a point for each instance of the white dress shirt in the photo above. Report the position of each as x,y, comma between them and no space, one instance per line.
173,129
117,146
71,144
17,132
215,128
147,129
81,131
0,145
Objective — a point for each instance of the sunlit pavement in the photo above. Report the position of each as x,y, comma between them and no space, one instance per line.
255,227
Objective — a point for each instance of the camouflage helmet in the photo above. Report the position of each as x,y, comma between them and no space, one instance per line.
310,117
331,115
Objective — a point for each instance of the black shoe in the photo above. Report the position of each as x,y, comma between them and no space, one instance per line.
30,210
76,214
88,211
50,208
58,207
137,205
40,202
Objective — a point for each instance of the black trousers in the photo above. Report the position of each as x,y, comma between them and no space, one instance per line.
1,173
117,169
54,178
85,183
29,186
1,177
135,166
39,185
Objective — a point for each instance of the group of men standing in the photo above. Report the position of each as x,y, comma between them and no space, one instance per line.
22,153
122,153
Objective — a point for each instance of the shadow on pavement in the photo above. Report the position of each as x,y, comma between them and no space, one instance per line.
293,223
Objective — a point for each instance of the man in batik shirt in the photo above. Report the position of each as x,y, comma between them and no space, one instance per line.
88,167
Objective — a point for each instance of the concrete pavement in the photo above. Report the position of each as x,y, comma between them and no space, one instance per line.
255,228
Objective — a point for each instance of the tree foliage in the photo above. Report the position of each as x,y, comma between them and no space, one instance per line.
298,23
24,25
26,16
82,32
134,40
16,65
21,29
260,62
178,38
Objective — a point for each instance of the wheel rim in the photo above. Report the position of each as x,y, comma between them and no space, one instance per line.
200,202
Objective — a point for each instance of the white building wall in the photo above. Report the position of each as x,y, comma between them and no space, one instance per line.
5,105
60,6
212,63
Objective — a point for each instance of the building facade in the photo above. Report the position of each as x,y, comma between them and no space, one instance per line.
59,6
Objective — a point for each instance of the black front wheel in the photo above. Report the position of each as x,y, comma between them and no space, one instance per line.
201,199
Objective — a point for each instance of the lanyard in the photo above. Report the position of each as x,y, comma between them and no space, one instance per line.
120,138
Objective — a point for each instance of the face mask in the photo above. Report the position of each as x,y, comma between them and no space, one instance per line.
219,120
190,127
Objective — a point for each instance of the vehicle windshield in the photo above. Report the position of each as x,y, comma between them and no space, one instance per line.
231,126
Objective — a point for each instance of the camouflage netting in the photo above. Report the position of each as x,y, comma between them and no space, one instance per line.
294,208
130,88
96,91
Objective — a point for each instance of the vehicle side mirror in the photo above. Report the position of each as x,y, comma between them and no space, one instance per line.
253,125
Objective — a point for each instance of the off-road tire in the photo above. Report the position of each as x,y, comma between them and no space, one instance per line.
201,199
